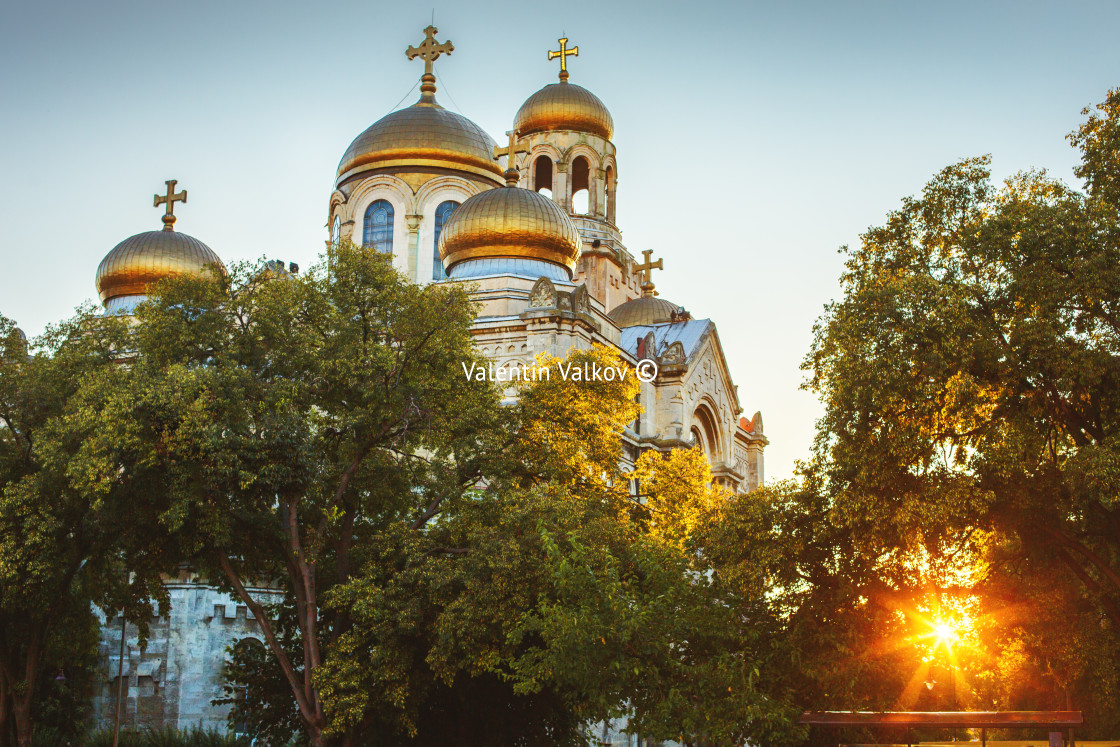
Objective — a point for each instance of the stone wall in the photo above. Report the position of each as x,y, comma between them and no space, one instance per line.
173,679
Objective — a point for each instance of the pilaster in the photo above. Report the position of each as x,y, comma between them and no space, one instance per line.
413,222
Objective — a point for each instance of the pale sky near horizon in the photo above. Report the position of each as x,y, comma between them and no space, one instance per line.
754,139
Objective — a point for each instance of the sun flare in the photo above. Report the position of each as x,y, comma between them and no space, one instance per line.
945,633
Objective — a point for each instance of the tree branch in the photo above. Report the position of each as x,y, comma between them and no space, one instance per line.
308,711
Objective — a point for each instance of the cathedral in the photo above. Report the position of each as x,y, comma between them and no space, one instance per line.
532,227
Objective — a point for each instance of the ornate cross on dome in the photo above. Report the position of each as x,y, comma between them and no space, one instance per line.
170,199
429,49
511,163
646,271
563,54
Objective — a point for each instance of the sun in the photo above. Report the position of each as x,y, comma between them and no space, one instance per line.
945,633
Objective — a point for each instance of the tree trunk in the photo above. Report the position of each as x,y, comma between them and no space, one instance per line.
5,715
316,736
21,709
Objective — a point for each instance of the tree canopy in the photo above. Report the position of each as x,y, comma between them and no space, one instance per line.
450,564
971,382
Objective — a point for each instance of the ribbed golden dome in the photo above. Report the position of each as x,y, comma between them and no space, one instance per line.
643,311
146,258
564,106
509,222
424,134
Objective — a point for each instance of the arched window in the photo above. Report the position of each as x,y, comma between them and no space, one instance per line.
705,432
581,183
377,232
443,212
542,175
336,231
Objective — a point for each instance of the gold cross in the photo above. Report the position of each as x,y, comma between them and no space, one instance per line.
510,151
646,271
170,199
563,54
429,49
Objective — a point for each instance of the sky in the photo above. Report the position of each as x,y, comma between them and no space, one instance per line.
754,139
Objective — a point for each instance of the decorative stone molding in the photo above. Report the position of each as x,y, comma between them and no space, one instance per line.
581,300
674,354
543,295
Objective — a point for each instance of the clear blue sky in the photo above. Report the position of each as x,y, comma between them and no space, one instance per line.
754,139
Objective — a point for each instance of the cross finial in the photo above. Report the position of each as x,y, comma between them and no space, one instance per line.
429,50
170,199
646,271
511,163
563,54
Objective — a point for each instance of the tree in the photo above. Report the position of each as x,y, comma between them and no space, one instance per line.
560,596
291,419
971,382
66,541
449,563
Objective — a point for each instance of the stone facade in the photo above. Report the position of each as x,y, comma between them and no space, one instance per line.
172,681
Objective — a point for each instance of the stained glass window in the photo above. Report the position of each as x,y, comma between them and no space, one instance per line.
443,212
378,230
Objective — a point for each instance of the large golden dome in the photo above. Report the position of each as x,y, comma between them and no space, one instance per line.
564,106
427,135
509,222
147,258
644,311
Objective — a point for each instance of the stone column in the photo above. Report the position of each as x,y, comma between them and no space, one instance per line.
597,193
562,192
413,222
611,189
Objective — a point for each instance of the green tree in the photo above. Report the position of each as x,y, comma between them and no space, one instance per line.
559,595
293,420
971,383
449,563
66,541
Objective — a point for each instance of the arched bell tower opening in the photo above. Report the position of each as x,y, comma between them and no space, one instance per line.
542,175
581,186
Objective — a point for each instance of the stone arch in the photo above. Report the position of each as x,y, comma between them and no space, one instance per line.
593,183
443,188
547,149
594,157
380,187
543,174
706,425
334,209
423,218
582,183
398,194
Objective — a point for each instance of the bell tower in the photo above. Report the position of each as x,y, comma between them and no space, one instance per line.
564,147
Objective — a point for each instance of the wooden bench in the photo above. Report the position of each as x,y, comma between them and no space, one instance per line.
1057,723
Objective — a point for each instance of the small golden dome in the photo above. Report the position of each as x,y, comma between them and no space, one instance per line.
644,311
146,258
425,134
564,106
509,222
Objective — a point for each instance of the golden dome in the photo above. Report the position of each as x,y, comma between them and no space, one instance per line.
146,258
509,222
644,311
424,134
564,106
